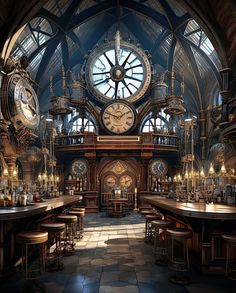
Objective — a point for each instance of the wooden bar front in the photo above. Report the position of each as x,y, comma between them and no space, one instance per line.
208,222
16,219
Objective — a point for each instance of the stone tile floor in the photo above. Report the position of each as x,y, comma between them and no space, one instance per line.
113,258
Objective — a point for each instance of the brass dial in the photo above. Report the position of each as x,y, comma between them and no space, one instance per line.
126,181
110,181
20,101
118,117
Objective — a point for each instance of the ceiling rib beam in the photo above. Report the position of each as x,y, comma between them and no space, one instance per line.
46,58
65,53
202,53
196,74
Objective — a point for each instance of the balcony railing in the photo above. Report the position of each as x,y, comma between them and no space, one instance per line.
149,141
165,139
70,139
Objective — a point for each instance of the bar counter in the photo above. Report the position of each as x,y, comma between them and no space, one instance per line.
194,210
208,222
9,213
16,219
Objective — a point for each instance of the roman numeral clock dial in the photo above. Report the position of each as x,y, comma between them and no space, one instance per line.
118,117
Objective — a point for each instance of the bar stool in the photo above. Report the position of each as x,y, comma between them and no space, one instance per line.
80,221
70,231
53,259
148,226
230,267
160,240
28,239
148,212
179,258
82,211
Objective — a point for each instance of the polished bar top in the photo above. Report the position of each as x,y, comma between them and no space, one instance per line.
8,213
194,210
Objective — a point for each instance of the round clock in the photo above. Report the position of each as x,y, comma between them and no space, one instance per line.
159,167
126,181
19,101
79,168
111,76
110,181
118,117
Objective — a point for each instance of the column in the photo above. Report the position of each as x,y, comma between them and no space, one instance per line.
225,92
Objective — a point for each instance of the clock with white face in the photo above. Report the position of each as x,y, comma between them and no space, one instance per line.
118,117
110,75
79,168
159,167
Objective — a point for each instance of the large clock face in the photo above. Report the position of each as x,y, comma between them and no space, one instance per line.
79,168
159,167
118,117
111,76
20,101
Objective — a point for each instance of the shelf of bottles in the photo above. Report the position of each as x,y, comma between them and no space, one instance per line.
75,185
213,187
160,184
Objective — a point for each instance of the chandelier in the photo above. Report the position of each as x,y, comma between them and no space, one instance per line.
60,104
175,103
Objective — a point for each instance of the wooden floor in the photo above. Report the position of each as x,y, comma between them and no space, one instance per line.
113,258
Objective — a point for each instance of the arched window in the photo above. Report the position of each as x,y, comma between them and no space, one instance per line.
218,100
80,122
157,123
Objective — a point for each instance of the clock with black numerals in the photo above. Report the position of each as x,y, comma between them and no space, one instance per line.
118,117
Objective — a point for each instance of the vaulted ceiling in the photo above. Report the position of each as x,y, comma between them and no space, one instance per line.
193,37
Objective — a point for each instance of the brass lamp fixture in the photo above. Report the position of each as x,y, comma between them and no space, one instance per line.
175,103
60,105
5,172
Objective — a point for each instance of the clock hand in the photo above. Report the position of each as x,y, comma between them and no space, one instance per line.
123,114
112,115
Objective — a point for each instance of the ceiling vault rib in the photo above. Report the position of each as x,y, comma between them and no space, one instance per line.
203,54
65,53
186,48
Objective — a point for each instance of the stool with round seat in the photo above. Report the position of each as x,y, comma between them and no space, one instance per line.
29,240
148,226
78,209
53,259
148,212
160,240
80,220
70,231
230,266
179,256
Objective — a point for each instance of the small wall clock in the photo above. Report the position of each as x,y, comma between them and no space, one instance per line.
79,168
159,167
110,181
126,181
